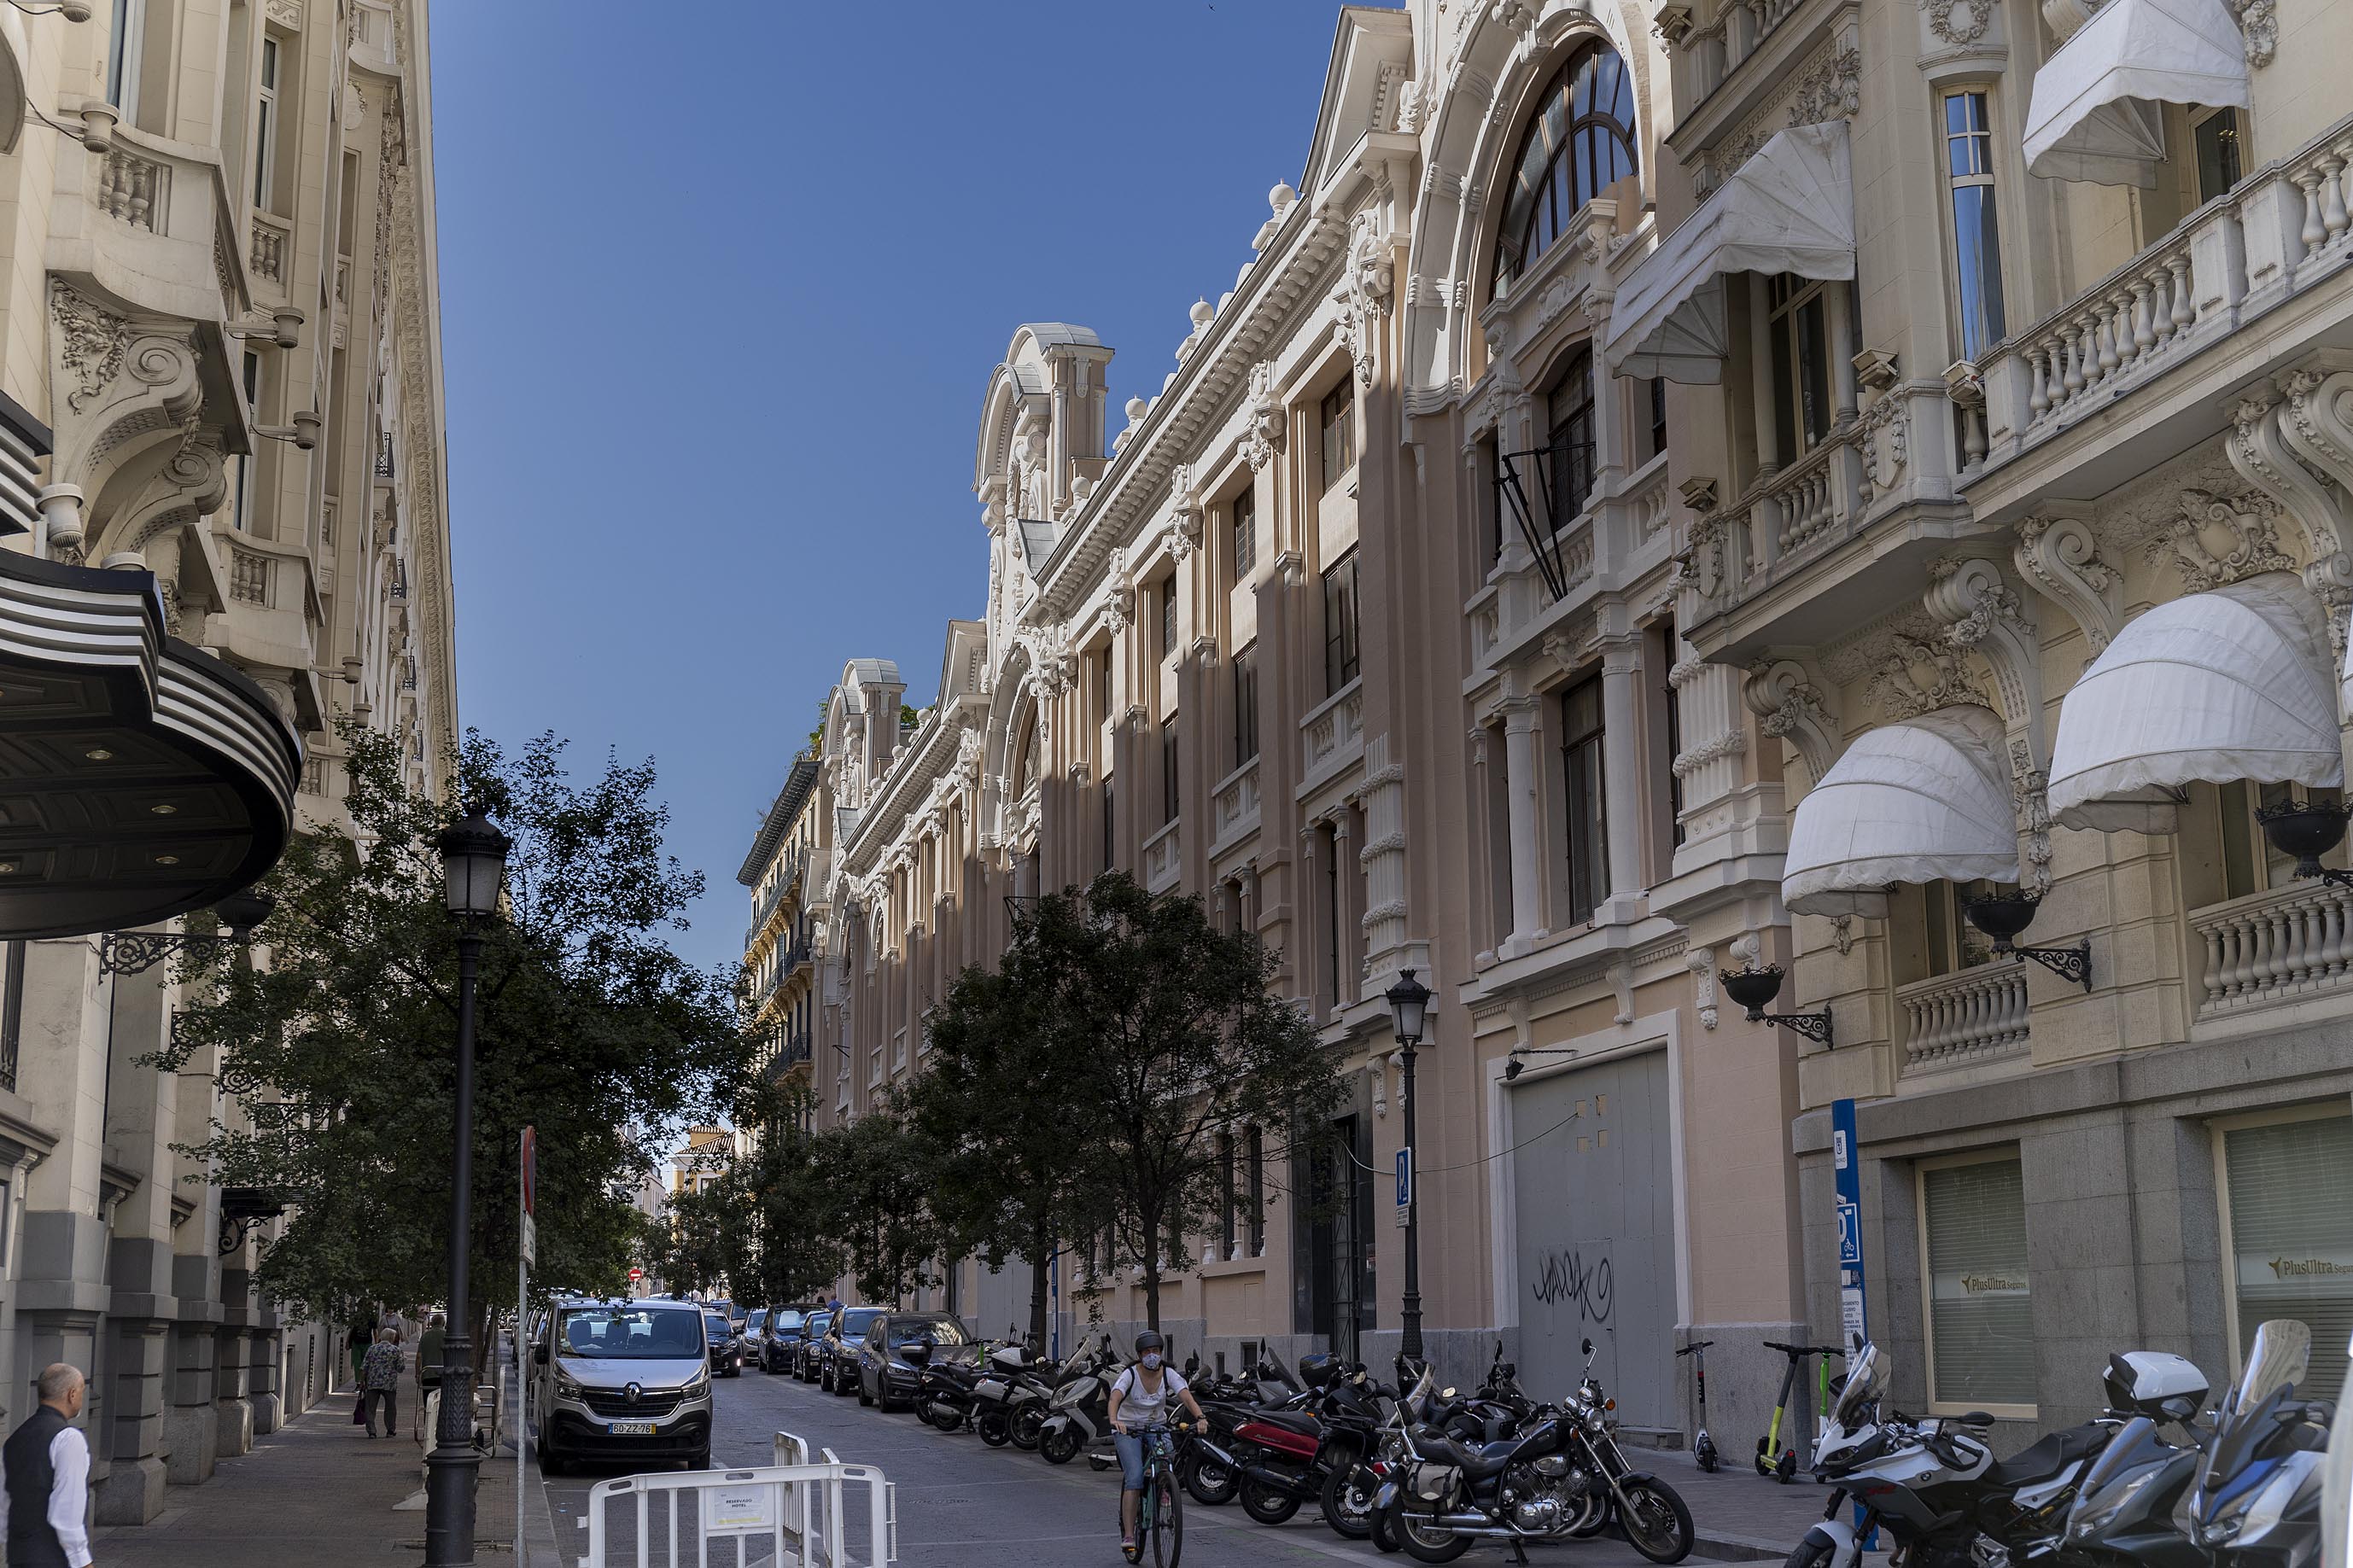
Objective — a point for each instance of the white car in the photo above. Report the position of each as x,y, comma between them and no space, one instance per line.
619,1380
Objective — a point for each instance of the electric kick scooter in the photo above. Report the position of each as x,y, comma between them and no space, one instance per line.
1703,1445
1772,1458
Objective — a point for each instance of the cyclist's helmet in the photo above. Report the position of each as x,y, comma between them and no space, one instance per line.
1149,1341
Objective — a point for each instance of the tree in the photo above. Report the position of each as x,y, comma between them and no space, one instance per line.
784,1185
878,1176
337,1052
994,1104
1172,1042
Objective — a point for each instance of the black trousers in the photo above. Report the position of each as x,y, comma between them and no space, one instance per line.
386,1400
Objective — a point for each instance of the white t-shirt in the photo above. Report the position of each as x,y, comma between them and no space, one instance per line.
1142,1406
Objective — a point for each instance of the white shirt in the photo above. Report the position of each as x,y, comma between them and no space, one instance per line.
1138,1405
69,1493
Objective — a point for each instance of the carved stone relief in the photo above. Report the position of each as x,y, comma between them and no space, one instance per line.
2060,557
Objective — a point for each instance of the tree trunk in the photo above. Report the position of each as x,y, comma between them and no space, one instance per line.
1041,1256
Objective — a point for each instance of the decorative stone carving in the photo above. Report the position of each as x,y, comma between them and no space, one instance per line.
1792,707
1187,506
1843,933
1731,744
2277,443
1832,91
91,341
2258,28
2060,557
1986,613
1702,964
1884,437
1266,417
2217,541
1366,285
1958,23
1917,678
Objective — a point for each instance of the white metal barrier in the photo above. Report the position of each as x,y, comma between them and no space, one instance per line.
800,1512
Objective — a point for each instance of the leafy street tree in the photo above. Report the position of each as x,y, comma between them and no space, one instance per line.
994,1103
877,1177
1170,1042
336,1052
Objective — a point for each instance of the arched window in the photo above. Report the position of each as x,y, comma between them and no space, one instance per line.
1579,144
1025,764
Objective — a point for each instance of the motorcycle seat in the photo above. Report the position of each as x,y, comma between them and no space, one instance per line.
1290,1420
2047,1457
1478,1464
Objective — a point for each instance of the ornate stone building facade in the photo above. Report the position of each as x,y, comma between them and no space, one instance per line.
221,303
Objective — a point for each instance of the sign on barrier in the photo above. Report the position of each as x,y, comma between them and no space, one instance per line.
806,1513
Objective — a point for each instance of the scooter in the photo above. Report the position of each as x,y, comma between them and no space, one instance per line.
1080,1415
1703,1445
1772,1459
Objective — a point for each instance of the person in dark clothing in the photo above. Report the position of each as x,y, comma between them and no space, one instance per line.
428,1364
46,1464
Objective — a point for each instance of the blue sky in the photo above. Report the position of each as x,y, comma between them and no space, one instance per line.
719,301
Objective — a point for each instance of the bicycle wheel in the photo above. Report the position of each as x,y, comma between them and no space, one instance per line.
1167,1519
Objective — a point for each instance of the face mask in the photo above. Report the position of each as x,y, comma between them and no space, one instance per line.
1152,1361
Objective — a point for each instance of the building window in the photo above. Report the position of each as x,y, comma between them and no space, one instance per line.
1579,144
1245,705
2220,144
1668,642
1953,944
2288,1223
1977,238
1340,644
1167,593
1981,1303
1329,843
265,128
1801,365
124,45
1569,418
1339,432
1168,787
1225,1195
1111,819
241,518
1655,402
1245,533
1589,820
1254,1142
12,1015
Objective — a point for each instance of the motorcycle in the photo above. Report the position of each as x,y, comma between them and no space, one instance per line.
945,1396
1276,1448
2257,1496
2122,1512
1081,1414
992,1391
1561,1476
1031,1399
1935,1485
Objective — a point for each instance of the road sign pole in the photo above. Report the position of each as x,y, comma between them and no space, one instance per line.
527,1188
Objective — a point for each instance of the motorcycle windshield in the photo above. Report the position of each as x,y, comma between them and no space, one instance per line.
2276,1363
1866,1379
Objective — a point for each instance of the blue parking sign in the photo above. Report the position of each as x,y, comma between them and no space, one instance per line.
1404,1177
1849,1224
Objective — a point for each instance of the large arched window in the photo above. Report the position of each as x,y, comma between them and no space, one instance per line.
1579,144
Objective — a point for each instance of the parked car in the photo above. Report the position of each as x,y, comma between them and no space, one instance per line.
805,1349
837,1368
726,1344
780,1345
624,1381
755,1337
892,1356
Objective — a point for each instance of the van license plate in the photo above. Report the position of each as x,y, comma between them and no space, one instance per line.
632,1429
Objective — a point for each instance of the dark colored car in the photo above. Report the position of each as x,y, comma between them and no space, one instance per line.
837,1353
780,1338
892,1358
726,1344
805,1349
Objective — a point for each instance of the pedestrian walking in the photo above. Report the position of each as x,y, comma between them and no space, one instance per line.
361,1334
380,1383
46,1464
429,1365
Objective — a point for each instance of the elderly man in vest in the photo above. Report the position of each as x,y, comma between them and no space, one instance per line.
48,1471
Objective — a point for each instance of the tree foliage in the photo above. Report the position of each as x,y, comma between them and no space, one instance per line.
336,1053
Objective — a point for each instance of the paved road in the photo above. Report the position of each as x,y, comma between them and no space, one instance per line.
963,1503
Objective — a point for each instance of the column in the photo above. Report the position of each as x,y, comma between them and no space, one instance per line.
191,1423
1521,775
1621,773
1348,907
142,1115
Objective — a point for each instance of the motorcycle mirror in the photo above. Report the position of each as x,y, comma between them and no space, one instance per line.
1589,1348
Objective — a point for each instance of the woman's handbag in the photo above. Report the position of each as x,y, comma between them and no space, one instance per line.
359,1410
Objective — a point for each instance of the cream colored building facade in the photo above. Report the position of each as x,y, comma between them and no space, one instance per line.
221,323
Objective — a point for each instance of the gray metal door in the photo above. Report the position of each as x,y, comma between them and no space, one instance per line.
1595,1200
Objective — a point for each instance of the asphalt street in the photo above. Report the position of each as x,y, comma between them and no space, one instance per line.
962,1502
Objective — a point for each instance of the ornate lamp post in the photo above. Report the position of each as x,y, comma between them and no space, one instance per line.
1408,1002
473,866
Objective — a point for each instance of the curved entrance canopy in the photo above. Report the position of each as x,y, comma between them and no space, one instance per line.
140,777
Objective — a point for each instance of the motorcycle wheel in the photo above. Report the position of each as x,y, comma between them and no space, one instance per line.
1656,1522
923,1414
1347,1506
1385,1530
995,1429
1429,1544
1212,1484
1265,1504
1060,1445
1589,1523
1814,1552
1026,1422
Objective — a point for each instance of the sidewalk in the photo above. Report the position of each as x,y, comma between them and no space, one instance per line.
318,1493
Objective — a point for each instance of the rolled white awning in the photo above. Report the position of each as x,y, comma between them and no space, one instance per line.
2231,684
2096,112
1790,208
1919,801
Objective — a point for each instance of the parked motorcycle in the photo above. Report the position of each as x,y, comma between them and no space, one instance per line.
2257,1496
1935,1485
1031,1397
2122,1512
1562,1476
999,1373
945,1395
1081,1414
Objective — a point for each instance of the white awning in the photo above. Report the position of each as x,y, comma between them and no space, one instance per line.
1790,208
1926,799
2232,684
2096,112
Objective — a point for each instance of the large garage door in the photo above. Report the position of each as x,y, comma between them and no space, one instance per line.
1596,1228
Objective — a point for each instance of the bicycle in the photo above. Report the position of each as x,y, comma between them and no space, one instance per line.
1160,1510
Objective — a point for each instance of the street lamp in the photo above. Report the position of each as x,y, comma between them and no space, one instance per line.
473,866
1408,1002
131,951
1753,990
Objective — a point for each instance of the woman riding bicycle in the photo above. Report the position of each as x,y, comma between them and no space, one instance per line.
1139,1404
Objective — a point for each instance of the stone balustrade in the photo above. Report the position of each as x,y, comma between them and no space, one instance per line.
1163,857
1335,732
1804,499
1234,809
267,256
1957,1020
2273,947
134,189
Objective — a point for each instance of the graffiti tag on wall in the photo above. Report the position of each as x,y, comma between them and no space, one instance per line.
1569,1277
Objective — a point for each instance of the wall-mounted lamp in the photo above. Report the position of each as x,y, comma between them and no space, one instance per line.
99,118
2002,916
1754,989
303,432
71,10
2306,829
284,328
1515,1066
